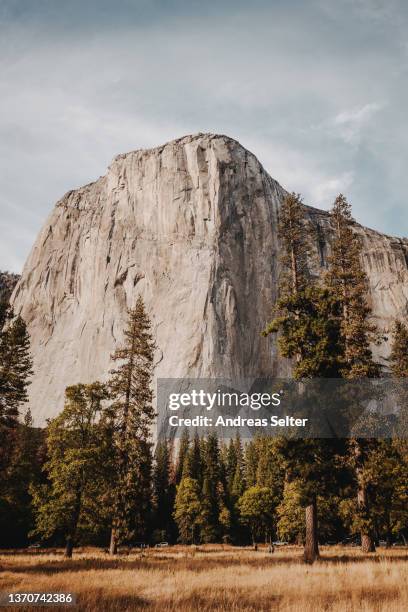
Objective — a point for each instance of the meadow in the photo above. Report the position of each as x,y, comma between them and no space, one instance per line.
215,577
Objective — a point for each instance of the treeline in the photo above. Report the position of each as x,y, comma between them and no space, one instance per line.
324,325
93,476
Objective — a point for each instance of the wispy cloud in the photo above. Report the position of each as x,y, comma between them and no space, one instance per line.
349,124
317,94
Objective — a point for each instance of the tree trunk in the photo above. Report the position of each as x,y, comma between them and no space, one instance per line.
253,539
367,543
69,547
367,540
311,550
389,532
69,544
113,547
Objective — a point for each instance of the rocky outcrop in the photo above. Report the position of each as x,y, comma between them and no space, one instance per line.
7,283
192,227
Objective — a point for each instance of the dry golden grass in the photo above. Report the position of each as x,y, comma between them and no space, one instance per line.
217,578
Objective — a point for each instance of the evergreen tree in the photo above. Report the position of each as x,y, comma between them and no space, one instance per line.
250,464
211,491
15,373
133,415
290,514
182,452
24,471
399,350
229,457
68,504
307,322
399,369
348,284
193,462
291,526
15,369
270,472
233,486
163,491
387,473
295,245
188,509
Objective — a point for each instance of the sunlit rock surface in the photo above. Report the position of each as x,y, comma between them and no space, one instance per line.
192,227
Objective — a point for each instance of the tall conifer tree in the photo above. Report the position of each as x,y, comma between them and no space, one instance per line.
305,318
15,373
163,491
399,350
349,285
132,413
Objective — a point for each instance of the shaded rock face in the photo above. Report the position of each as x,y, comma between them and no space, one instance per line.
192,227
7,283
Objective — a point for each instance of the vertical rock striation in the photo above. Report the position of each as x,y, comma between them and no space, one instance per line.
192,227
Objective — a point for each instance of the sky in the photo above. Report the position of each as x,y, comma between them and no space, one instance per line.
316,89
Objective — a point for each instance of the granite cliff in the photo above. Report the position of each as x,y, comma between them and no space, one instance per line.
192,227
7,283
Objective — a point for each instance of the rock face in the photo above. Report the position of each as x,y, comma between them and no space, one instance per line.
7,283
192,227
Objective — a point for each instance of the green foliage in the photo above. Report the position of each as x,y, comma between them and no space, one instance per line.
309,332
67,504
182,453
192,464
291,515
163,490
23,471
211,492
257,510
132,415
294,245
399,350
349,285
15,373
188,509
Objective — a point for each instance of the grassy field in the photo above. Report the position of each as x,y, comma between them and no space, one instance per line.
216,578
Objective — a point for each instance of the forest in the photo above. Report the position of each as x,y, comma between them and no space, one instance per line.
95,476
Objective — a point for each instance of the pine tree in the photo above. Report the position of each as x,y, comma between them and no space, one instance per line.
163,491
307,323
295,245
188,509
348,284
237,484
24,471
181,456
211,490
15,368
230,461
399,369
15,373
233,486
193,461
133,415
387,472
68,504
270,472
250,464
399,350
